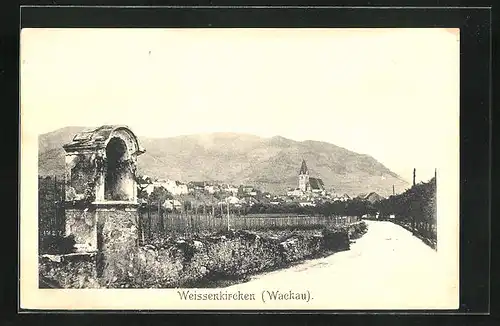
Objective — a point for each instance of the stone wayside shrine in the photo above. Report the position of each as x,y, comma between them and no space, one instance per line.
101,193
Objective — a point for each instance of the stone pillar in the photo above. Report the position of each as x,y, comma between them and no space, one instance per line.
101,196
81,189
117,231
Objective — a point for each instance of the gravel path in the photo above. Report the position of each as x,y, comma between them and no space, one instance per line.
387,268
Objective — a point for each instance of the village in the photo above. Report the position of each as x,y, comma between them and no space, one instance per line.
179,196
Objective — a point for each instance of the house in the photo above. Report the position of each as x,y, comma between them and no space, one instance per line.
230,189
306,203
196,186
172,204
232,200
176,187
181,188
317,185
249,191
210,189
250,201
372,197
343,198
294,192
144,180
150,188
143,184
173,187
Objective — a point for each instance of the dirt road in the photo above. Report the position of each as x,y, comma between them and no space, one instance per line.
386,268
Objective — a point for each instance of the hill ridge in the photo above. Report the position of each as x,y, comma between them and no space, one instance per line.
271,163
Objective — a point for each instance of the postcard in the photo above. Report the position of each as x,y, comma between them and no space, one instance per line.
239,169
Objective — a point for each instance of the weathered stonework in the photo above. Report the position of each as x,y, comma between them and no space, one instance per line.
117,237
68,271
101,193
82,224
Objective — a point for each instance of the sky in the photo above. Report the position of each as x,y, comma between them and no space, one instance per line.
389,93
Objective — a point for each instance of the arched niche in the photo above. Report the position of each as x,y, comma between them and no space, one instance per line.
105,160
119,178
101,193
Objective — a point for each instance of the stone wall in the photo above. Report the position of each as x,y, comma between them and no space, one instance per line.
68,271
117,239
81,223
80,176
196,261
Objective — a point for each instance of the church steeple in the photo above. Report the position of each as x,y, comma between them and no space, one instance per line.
303,168
304,177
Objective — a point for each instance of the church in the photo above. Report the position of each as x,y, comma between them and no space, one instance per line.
307,183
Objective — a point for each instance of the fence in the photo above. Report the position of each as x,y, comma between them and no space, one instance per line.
51,216
155,221
425,229
50,206
426,232
415,210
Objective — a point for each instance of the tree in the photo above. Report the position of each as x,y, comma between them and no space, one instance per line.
240,192
142,193
356,207
160,194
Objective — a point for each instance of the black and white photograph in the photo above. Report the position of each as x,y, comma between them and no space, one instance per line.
240,168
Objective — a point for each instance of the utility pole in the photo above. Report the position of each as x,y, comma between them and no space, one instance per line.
149,218
435,195
228,226
393,191
56,204
160,218
414,174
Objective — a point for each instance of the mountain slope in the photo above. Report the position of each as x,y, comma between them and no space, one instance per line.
269,163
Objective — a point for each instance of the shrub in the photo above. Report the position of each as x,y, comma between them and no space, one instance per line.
56,244
68,272
226,255
356,230
335,239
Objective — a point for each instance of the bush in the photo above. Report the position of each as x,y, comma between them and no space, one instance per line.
68,272
56,244
356,230
225,255
207,260
336,239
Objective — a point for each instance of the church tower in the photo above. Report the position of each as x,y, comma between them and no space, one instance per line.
304,177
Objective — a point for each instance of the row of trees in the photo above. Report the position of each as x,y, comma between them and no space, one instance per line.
208,204
353,207
415,207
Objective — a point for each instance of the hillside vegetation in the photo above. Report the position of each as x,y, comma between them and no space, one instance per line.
269,163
